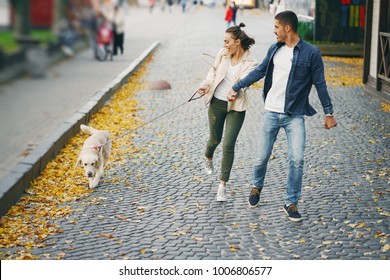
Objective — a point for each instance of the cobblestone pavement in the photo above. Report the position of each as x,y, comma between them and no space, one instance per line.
162,205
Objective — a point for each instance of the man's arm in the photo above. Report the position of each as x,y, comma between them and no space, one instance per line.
319,82
253,76
322,90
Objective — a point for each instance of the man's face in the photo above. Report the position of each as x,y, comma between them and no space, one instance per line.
280,31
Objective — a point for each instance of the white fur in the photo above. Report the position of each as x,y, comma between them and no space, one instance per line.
94,154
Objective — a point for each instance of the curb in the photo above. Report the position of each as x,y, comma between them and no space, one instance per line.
13,185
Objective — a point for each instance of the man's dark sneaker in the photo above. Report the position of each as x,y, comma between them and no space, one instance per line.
254,197
292,212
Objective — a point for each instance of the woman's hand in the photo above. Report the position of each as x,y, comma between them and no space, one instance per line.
232,96
203,90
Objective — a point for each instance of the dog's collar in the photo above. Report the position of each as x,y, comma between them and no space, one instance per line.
99,147
96,147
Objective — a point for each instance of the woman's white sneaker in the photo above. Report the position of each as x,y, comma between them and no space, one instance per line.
208,166
221,194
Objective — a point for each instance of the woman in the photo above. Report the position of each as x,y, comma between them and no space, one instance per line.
233,62
229,15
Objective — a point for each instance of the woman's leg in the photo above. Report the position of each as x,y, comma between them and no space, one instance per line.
217,114
234,122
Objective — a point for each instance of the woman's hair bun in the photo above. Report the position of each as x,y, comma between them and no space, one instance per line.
241,24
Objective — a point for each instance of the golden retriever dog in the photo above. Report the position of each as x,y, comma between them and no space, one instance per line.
94,154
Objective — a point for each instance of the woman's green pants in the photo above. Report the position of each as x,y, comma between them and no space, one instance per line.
218,115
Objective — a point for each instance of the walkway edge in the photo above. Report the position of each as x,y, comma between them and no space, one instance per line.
13,185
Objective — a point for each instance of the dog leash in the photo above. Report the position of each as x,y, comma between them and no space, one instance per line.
192,98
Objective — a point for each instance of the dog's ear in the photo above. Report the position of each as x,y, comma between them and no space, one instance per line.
78,162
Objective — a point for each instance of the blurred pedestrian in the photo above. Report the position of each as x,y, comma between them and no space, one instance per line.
89,20
183,5
229,15
232,62
290,68
104,40
234,16
119,29
170,4
151,5
67,36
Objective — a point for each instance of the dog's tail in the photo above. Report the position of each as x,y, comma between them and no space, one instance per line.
88,129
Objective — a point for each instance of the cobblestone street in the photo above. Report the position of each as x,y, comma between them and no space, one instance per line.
158,203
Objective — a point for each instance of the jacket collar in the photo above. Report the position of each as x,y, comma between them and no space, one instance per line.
298,45
246,54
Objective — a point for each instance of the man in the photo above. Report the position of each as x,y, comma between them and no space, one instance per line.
290,68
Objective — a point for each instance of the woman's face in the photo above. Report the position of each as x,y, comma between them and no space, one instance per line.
230,43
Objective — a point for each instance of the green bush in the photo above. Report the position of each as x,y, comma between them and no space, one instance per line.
305,29
8,44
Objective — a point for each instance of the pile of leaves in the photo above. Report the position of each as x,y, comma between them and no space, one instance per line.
343,71
28,224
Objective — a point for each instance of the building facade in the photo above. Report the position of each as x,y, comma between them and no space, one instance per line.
376,74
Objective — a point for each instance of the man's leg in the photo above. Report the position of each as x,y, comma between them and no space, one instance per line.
296,137
267,136
268,132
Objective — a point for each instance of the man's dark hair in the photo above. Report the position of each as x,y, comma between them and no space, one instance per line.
288,18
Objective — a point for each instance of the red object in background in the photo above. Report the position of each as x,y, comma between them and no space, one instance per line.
362,15
41,13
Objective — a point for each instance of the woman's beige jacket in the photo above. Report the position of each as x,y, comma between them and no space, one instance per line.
218,71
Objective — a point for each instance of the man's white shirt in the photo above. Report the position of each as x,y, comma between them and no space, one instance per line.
277,94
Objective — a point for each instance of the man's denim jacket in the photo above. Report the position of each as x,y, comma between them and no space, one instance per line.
307,69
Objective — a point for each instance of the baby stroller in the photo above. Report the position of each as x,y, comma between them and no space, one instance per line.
103,43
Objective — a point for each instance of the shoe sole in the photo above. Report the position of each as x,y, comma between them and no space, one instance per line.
209,173
296,220
253,206
220,199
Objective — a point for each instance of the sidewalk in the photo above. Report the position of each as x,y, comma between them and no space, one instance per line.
157,203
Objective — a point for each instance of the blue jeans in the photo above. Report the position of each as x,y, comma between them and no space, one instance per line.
294,127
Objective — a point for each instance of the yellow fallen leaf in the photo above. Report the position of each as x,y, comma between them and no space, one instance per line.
120,217
197,238
106,235
234,248
253,226
385,106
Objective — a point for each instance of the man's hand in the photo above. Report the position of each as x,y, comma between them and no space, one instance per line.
232,96
330,122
